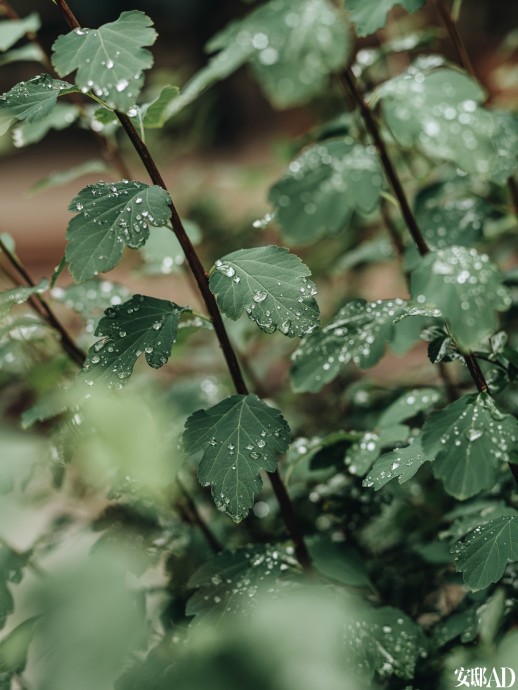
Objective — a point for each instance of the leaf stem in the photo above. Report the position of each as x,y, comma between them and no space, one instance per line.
200,275
192,511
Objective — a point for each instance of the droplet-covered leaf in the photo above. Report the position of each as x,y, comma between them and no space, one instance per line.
466,287
228,582
62,116
357,334
484,553
360,456
110,60
470,439
62,177
32,100
162,252
323,188
111,216
19,295
271,285
142,325
401,463
239,437
439,110
90,297
371,15
409,405
11,30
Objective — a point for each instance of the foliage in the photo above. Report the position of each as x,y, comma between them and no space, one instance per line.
119,565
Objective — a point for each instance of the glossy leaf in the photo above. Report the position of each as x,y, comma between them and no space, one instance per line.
357,334
110,60
238,437
402,463
324,187
109,217
90,297
11,30
142,325
409,405
371,15
470,439
466,287
271,285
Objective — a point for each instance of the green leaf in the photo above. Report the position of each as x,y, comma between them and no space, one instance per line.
409,405
402,463
142,325
371,15
153,115
162,252
11,571
470,439
357,334
111,215
339,562
324,187
27,53
293,46
91,296
226,583
62,116
12,30
484,553
439,111
271,285
239,437
61,177
31,100
360,456
15,647
466,287
19,295
109,60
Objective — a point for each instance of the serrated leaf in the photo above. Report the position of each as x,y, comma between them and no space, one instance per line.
239,437
271,285
111,215
162,252
439,110
27,53
324,187
466,287
227,583
63,115
371,15
61,177
470,439
401,463
142,325
110,60
357,334
11,30
484,553
409,405
385,641
31,100
19,295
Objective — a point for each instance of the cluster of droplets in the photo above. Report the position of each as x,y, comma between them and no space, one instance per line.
392,465
361,454
440,219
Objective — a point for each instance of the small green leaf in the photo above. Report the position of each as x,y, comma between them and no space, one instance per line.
61,177
357,334
271,285
466,287
19,295
12,30
91,296
239,437
470,439
371,15
15,647
63,115
324,187
109,217
142,325
360,456
110,60
227,582
31,100
162,252
27,53
154,114
484,553
409,405
11,571
402,463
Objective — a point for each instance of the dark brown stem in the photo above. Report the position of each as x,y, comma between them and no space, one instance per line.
450,388
349,82
455,37
513,192
44,310
202,281
192,511
395,237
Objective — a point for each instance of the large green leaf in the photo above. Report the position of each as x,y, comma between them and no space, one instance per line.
470,439
439,110
110,60
357,334
466,287
142,325
227,583
323,188
484,553
111,215
292,46
11,30
32,100
371,15
271,285
239,437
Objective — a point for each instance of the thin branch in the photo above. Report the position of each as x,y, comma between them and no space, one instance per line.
201,278
46,312
192,511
